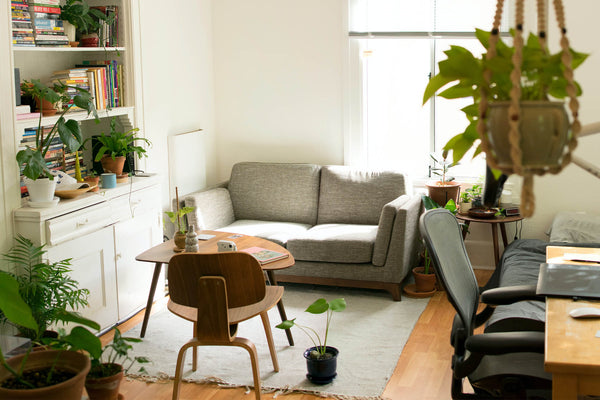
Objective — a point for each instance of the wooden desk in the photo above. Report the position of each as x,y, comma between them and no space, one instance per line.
162,253
494,222
572,352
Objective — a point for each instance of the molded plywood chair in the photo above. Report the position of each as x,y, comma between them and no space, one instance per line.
216,292
508,364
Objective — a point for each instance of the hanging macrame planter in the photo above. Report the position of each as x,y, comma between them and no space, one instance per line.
528,137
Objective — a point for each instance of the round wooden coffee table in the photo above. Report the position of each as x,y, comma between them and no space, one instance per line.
162,253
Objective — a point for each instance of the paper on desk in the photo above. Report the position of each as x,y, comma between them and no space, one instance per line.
595,258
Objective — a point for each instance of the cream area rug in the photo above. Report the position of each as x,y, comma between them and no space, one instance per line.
370,335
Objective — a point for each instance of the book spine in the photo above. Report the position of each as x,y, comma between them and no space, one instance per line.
44,9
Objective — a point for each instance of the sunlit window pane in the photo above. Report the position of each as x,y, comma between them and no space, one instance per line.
391,15
466,15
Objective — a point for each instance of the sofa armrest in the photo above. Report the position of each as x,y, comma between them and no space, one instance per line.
384,229
212,208
404,242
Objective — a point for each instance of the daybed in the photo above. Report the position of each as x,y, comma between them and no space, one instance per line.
344,226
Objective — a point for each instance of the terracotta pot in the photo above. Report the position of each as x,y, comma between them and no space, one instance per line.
46,108
104,388
442,193
179,240
544,132
89,40
93,180
70,389
321,371
110,165
424,282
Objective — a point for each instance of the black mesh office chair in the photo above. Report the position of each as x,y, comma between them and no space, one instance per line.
500,364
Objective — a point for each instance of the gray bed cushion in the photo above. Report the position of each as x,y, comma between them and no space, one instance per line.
275,192
352,196
575,227
278,232
338,243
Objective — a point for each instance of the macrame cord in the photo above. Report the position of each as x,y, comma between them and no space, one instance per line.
514,111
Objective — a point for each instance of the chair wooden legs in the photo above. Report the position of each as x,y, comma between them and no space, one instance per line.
194,353
179,366
265,320
249,346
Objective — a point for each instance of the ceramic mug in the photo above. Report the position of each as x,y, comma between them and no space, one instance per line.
109,180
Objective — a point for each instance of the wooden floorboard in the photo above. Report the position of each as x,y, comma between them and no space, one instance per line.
422,373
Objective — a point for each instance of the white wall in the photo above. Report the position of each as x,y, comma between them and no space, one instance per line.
177,79
278,81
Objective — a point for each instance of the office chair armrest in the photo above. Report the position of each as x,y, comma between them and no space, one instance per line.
506,342
510,294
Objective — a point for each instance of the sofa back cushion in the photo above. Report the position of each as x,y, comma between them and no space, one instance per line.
353,196
275,192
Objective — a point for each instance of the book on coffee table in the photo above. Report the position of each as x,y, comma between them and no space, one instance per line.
265,256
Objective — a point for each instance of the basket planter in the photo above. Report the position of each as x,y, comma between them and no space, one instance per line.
321,370
70,389
544,131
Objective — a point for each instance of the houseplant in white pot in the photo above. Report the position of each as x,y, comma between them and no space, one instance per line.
321,360
38,178
512,118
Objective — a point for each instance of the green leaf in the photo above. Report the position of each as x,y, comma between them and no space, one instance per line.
12,304
318,307
286,324
428,203
69,133
70,316
434,84
35,165
82,339
338,304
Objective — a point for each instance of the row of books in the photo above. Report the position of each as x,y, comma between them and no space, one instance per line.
109,33
22,31
103,79
56,157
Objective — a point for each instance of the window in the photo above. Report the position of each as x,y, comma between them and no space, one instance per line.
395,46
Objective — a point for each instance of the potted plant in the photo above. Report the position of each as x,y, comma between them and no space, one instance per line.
38,178
92,179
536,143
321,360
104,379
86,20
177,218
445,188
46,374
116,146
46,288
424,276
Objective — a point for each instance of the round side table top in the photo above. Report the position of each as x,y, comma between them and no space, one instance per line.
495,220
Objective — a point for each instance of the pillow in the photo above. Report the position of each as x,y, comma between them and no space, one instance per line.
575,227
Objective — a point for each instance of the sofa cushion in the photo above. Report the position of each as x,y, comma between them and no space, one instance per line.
352,196
341,243
278,232
220,204
275,192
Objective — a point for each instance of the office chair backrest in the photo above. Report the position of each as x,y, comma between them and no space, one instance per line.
243,275
443,238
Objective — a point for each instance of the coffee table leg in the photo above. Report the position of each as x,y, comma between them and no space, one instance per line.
281,309
157,268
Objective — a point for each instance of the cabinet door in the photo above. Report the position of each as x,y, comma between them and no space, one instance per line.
93,266
133,237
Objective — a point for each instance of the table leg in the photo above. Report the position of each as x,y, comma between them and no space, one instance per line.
564,387
504,237
496,245
157,268
288,332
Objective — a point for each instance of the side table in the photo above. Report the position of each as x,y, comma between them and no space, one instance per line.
494,222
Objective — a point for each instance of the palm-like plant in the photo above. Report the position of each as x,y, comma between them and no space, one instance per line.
45,287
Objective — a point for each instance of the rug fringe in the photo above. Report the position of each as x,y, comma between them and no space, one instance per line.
276,391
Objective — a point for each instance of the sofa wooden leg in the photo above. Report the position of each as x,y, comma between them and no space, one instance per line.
395,290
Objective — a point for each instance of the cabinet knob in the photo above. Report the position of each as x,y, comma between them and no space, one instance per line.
82,222
118,256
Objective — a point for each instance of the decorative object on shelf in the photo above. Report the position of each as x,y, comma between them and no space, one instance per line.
445,189
109,180
104,379
93,180
88,21
115,147
75,190
33,158
177,217
484,213
191,240
510,86
321,360
470,197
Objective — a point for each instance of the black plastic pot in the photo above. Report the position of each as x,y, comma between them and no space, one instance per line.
321,371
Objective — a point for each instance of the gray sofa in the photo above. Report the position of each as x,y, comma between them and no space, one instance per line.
344,226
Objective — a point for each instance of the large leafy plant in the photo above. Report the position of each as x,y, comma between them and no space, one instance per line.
120,143
84,18
541,78
68,129
46,288
318,307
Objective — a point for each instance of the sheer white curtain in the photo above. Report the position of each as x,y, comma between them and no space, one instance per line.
395,46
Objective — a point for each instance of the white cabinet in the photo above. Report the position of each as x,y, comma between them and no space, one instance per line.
103,233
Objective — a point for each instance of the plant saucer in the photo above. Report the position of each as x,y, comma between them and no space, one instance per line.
321,380
44,204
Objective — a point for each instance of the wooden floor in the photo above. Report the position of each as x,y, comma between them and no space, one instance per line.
422,372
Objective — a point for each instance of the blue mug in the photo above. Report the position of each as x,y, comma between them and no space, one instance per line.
109,180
